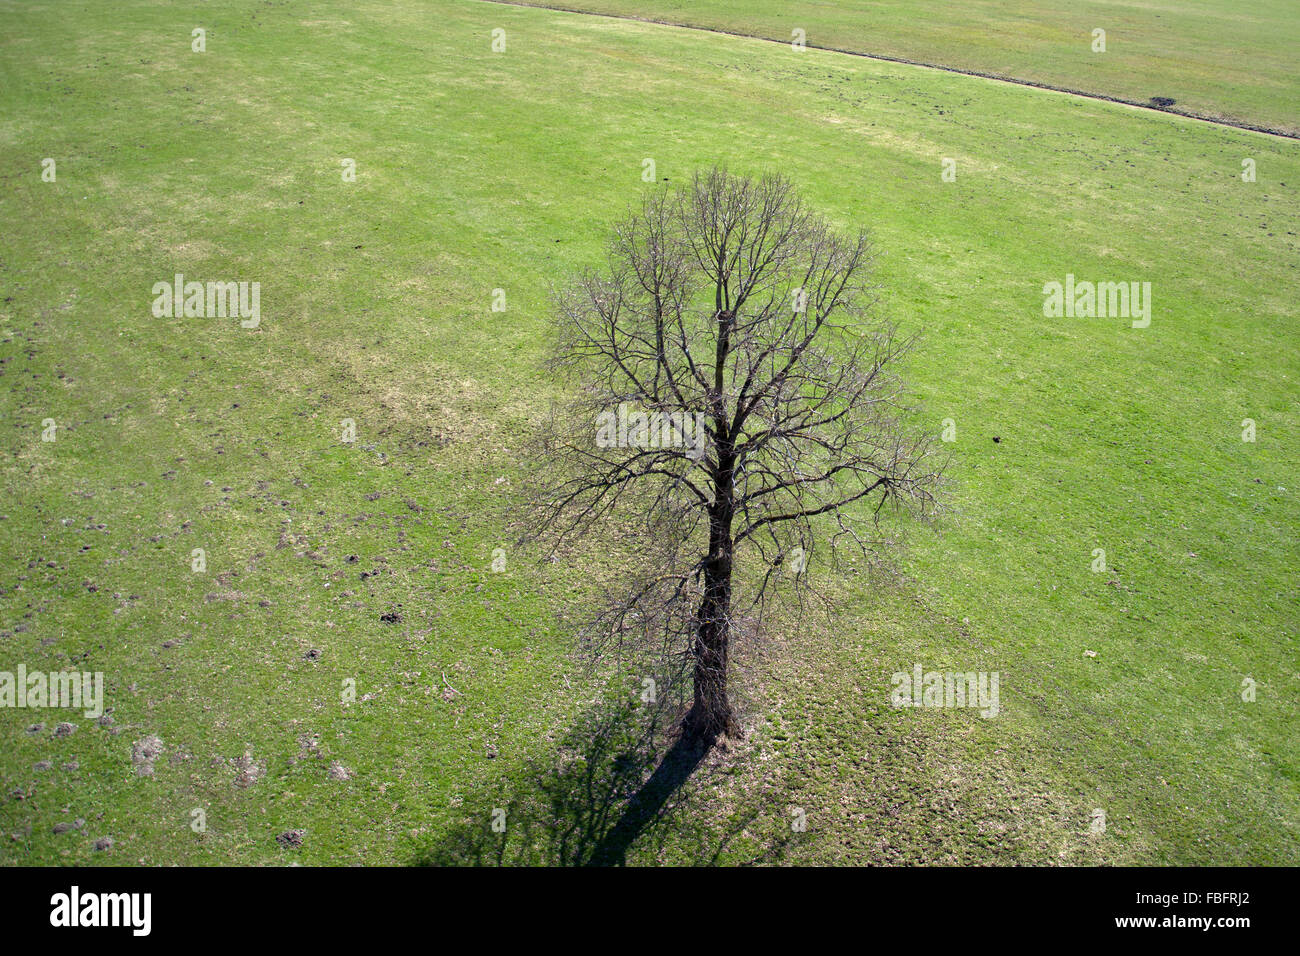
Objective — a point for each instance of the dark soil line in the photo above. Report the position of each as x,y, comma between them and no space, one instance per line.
1232,124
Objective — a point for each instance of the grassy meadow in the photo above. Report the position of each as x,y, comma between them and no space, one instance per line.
1212,58
368,564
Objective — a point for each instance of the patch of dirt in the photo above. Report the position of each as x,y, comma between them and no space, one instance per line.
143,754
250,771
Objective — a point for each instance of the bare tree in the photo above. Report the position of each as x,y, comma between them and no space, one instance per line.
734,389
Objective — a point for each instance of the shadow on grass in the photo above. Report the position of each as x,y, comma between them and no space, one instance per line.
618,783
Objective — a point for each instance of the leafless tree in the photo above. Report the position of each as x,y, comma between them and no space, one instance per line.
742,328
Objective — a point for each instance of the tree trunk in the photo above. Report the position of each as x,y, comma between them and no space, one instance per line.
711,714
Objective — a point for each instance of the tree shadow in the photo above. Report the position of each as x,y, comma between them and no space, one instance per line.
648,803
620,781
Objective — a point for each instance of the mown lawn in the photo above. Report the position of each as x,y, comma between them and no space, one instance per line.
479,171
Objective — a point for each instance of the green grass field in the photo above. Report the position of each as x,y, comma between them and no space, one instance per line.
478,171
1215,59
